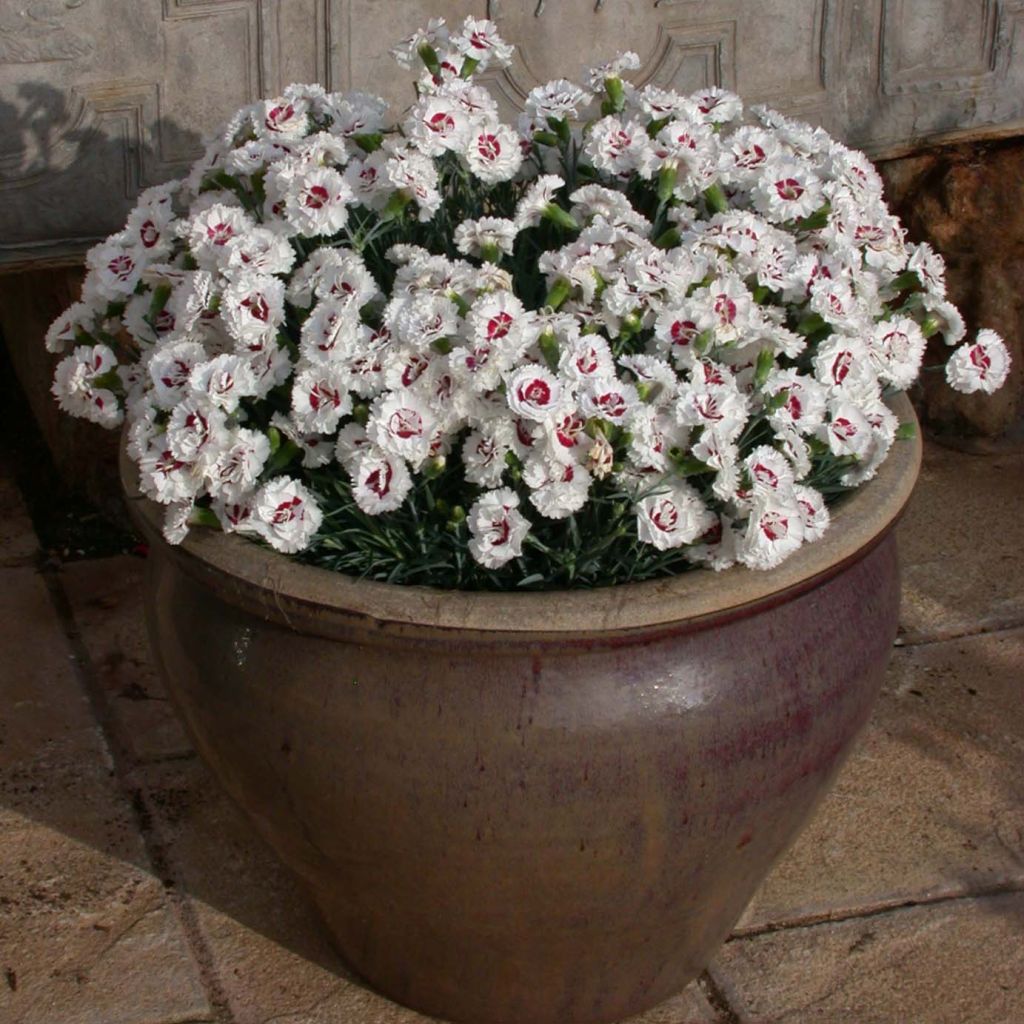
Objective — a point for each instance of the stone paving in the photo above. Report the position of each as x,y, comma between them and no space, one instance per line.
131,892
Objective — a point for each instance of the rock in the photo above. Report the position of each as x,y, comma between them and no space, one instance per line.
966,201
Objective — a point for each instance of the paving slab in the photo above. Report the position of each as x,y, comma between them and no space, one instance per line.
962,545
931,802
959,962
268,947
106,597
87,935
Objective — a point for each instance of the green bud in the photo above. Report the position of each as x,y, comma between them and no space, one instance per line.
161,294
649,390
369,143
433,468
906,431
460,302
110,381
559,292
816,220
667,182
716,199
930,325
429,57
361,414
616,93
203,517
395,206
442,346
554,213
655,126
468,67
458,515
765,365
703,341
669,240
490,253
545,138
548,345
810,324
274,437
561,128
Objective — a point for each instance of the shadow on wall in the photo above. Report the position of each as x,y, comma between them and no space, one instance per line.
67,187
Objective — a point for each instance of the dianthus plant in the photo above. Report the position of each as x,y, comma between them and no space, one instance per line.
638,331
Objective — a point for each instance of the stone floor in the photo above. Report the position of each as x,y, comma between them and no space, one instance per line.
132,893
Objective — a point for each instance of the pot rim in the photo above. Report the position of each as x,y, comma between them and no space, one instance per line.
320,601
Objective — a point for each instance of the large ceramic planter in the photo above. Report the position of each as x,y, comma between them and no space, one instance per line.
530,808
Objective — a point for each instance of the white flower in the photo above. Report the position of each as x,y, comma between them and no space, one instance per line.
176,521
813,512
197,432
787,190
619,147
64,331
76,387
114,268
380,482
224,380
434,35
170,370
439,123
536,199
286,514
896,348
774,531
483,458
402,424
164,477
320,398
983,366
672,516
477,237
560,100
283,118
253,308
493,153
847,431
497,529
241,460
479,41
211,234
608,399
261,251
534,393
625,61
557,490
316,203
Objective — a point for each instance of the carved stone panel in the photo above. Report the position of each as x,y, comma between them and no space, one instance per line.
99,98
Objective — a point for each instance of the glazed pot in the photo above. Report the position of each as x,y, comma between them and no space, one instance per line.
530,808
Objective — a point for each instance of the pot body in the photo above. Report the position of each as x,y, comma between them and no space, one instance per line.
527,827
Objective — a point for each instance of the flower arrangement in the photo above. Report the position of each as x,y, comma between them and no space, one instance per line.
640,331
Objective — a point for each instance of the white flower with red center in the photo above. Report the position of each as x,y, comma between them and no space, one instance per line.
787,190
983,366
77,320
283,118
415,176
672,516
252,308
557,489
164,477
332,333
380,481
286,514
558,100
479,41
947,318
720,408
534,393
115,267
663,104
587,357
170,370
536,199
896,348
483,457
224,381
843,364
242,458
190,301
930,268
422,319
402,424
813,512
497,529
732,307
439,124
80,388
799,401
595,202
197,432
745,153
499,322
609,399
355,113
690,145
622,62
619,147
434,36
149,229
493,153
835,302
270,367
677,329
774,531
565,438
718,106
769,471
320,398
316,203
847,431
368,180
350,443
261,251
486,237
211,234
